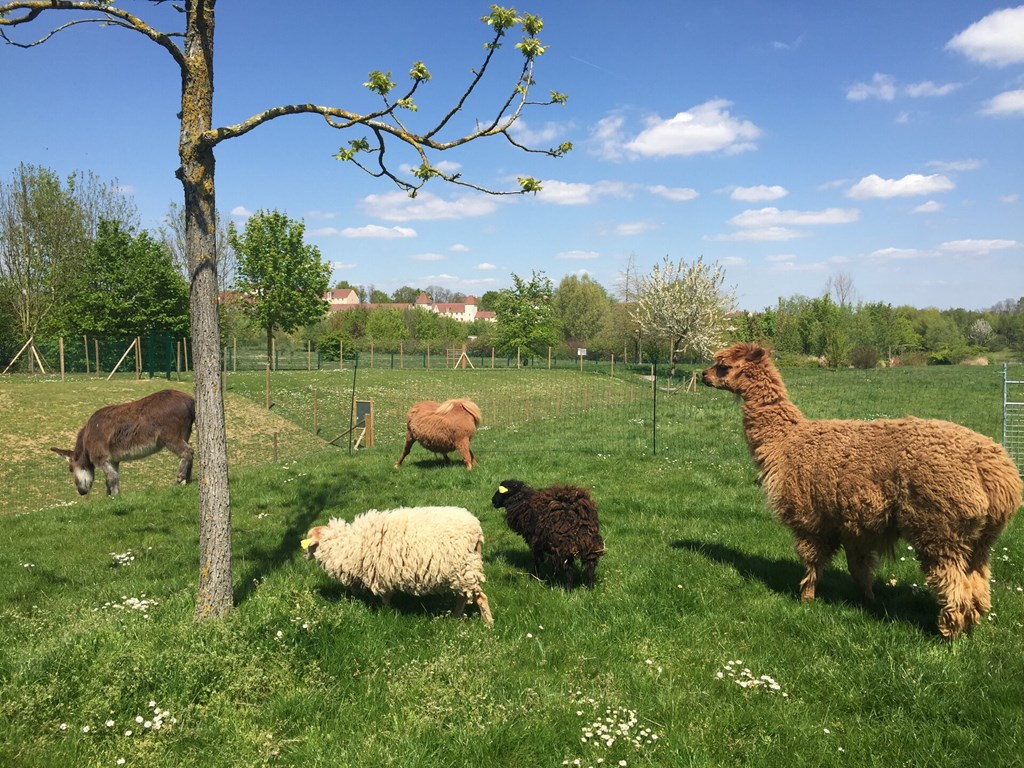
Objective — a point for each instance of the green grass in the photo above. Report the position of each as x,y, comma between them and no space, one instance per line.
697,575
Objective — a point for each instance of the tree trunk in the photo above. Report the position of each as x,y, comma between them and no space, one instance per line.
197,178
270,348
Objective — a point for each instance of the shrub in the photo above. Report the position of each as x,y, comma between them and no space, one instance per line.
864,357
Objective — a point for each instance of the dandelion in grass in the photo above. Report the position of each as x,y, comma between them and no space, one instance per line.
744,678
122,558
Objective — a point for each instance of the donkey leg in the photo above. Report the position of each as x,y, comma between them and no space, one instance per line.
110,469
184,451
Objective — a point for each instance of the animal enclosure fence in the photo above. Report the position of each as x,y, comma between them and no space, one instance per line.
1013,412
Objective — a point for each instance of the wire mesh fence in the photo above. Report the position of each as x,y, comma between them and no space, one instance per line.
1013,412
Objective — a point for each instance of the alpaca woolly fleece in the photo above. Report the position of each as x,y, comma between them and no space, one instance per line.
861,485
559,523
412,550
442,428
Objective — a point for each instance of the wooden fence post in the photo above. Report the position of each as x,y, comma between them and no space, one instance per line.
85,343
61,347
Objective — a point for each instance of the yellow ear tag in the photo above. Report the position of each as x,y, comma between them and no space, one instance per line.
502,489
305,543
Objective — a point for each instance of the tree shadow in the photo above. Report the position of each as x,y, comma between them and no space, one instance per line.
893,603
311,501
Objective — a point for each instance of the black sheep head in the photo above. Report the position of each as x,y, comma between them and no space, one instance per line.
506,491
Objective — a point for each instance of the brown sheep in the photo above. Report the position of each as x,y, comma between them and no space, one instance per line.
559,523
861,485
442,428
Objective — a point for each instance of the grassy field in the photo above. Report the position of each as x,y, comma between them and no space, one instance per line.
693,650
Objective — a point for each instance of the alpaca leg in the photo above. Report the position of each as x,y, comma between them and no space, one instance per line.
861,563
954,591
462,446
814,557
485,609
409,440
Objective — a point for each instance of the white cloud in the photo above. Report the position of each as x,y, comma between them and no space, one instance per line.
930,207
733,261
707,127
398,206
875,186
881,87
766,234
427,257
896,254
342,265
486,265
458,248
997,39
578,193
758,194
545,136
1013,197
241,210
780,257
578,255
928,88
607,137
320,215
885,88
628,228
764,218
793,266
978,247
1005,104
676,194
954,165
371,230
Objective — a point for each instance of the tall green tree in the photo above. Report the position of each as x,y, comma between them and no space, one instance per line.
685,305
191,51
128,284
581,305
525,316
282,279
46,227
386,327
405,295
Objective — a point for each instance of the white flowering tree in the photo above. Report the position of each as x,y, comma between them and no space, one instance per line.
684,305
189,47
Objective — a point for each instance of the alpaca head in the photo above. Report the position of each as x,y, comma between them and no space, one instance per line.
736,367
506,490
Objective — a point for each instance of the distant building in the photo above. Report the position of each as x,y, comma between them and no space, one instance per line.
342,299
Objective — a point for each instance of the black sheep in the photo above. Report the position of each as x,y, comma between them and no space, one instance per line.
558,523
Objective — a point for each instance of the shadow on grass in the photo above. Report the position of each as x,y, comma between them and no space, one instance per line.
895,604
312,499
405,605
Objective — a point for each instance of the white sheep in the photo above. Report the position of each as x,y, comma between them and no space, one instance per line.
414,550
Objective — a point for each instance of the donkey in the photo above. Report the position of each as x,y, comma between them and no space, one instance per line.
132,430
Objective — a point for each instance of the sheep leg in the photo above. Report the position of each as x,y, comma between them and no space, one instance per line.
485,609
861,564
569,569
409,440
815,556
460,605
589,572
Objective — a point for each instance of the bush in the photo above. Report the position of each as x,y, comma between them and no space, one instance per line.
864,357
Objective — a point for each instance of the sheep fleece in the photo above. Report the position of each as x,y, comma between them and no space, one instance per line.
416,550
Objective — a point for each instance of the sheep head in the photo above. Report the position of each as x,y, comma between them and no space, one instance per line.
506,491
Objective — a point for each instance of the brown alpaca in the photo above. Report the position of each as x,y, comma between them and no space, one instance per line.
861,485
442,428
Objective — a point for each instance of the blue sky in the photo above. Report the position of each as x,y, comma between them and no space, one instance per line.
791,142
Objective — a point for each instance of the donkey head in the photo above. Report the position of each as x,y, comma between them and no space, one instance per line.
81,469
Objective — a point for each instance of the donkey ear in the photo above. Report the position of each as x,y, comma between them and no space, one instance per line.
64,452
